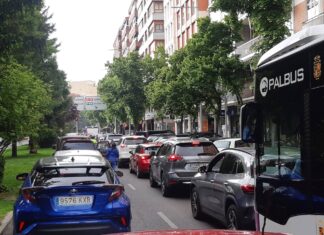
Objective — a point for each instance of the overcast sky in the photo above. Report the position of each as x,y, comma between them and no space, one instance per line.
86,30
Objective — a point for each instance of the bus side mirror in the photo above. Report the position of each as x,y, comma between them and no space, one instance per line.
250,120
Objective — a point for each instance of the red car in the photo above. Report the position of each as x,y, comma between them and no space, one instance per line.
140,159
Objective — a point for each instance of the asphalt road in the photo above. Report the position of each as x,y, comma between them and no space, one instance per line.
152,211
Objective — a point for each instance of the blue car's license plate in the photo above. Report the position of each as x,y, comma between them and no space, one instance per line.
75,200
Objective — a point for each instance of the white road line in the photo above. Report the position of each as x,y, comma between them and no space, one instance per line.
167,220
132,187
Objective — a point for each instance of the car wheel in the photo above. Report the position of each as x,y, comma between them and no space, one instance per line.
153,184
232,219
195,205
138,173
164,187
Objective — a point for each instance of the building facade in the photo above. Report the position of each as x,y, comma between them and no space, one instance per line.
150,26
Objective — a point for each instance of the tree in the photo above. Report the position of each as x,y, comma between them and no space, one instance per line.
268,17
23,102
124,84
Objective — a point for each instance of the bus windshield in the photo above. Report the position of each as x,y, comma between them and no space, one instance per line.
282,148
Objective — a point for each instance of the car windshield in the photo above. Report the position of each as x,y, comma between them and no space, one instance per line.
151,149
112,137
189,149
78,146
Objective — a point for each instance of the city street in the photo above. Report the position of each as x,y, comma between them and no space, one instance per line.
151,211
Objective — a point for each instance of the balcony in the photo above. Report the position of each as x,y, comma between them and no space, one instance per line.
134,46
319,19
133,31
245,49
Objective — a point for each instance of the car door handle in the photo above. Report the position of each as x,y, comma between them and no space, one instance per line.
212,181
226,184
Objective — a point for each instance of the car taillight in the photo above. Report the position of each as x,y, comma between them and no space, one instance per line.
123,221
116,193
146,156
21,226
247,188
174,158
29,193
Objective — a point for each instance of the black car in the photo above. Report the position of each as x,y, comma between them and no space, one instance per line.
225,189
177,162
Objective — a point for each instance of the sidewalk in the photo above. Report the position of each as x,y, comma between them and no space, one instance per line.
5,223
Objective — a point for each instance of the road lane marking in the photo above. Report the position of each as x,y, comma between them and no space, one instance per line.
167,220
132,187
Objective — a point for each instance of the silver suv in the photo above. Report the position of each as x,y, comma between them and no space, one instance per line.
177,161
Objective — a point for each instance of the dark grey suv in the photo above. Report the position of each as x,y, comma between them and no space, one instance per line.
225,189
177,161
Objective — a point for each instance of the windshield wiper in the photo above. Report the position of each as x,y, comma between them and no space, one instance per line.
86,182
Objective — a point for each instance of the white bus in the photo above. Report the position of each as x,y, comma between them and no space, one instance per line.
286,123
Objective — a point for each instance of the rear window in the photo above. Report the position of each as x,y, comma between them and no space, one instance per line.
134,141
189,149
68,176
151,149
78,146
222,144
110,137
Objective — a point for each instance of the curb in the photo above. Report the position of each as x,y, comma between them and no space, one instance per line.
5,222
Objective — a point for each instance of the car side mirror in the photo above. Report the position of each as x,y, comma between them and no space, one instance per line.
202,169
250,122
131,152
21,176
119,173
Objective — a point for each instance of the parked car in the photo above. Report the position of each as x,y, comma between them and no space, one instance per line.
127,144
77,195
140,158
177,162
113,138
230,143
225,189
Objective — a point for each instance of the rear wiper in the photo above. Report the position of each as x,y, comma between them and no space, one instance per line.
85,182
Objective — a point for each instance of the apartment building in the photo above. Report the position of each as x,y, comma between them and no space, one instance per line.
117,45
124,37
134,43
150,26
307,13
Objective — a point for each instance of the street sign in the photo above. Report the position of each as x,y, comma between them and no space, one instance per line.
89,103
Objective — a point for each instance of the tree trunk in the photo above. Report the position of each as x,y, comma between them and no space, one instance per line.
32,146
14,148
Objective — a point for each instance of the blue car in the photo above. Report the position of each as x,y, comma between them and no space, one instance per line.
71,195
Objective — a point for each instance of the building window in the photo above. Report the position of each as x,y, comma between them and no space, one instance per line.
192,7
193,28
187,10
183,15
178,20
312,8
179,42
158,28
183,39
188,33
158,7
